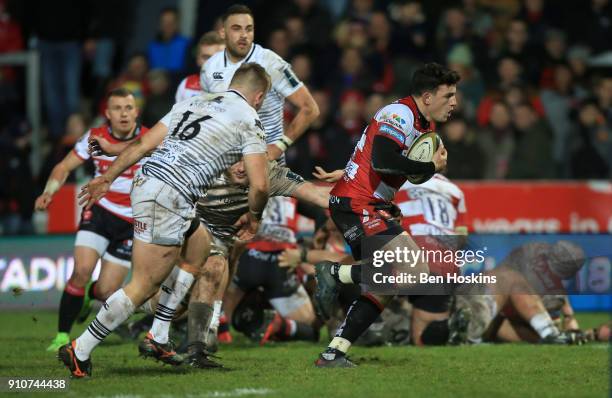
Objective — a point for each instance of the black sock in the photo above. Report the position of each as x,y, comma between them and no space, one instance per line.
436,333
305,332
223,325
70,306
91,291
199,316
361,314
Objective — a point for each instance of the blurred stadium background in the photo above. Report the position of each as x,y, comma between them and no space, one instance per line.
531,143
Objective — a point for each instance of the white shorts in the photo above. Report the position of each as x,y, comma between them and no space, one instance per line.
161,214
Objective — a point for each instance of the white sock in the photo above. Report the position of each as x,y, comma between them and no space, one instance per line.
292,327
344,274
169,299
340,344
543,325
116,310
214,321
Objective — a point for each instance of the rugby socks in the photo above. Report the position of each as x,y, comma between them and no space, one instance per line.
436,333
70,306
361,314
116,310
543,325
198,320
169,299
347,274
214,320
293,330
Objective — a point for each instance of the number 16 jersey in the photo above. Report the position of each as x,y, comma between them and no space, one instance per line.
206,135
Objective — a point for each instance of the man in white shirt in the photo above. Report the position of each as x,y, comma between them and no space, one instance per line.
217,72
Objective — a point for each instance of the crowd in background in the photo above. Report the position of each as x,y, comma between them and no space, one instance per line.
534,102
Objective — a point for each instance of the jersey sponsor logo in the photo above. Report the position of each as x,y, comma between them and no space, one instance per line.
390,131
258,124
217,75
87,215
394,119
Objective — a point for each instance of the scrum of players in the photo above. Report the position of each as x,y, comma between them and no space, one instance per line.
204,211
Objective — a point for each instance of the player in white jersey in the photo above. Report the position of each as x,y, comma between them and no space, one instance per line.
209,44
192,146
105,231
217,72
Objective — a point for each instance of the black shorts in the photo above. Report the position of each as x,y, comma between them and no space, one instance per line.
260,269
111,236
365,228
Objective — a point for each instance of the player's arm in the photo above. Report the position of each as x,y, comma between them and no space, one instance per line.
294,257
310,193
135,151
387,159
308,111
256,167
58,177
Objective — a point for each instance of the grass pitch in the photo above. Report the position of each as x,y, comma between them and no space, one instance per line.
286,370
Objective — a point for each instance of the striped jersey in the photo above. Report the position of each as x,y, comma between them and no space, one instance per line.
224,202
218,71
434,207
188,87
278,226
206,135
117,200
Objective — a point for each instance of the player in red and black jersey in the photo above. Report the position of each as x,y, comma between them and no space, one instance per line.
105,232
361,202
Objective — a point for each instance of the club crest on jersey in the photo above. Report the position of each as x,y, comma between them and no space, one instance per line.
258,124
217,75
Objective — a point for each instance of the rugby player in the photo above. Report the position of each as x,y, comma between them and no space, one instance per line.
209,44
294,317
105,230
239,28
359,202
199,138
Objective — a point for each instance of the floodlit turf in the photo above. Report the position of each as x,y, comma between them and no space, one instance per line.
286,370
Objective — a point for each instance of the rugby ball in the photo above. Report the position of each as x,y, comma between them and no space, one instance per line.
422,150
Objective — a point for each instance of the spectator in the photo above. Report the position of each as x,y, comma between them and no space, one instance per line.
302,67
465,158
577,57
16,187
471,84
348,127
518,47
161,99
558,103
10,39
353,73
603,92
554,55
497,142
509,73
60,27
316,21
532,157
596,25
310,150
593,156
540,15
374,102
278,41
479,17
169,50
134,78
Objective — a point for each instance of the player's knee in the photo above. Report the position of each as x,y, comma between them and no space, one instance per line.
80,276
105,291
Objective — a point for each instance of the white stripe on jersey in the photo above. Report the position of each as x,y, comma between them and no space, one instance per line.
119,190
217,73
206,135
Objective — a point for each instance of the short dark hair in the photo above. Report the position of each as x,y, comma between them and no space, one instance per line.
236,9
172,10
119,92
429,76
252,74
